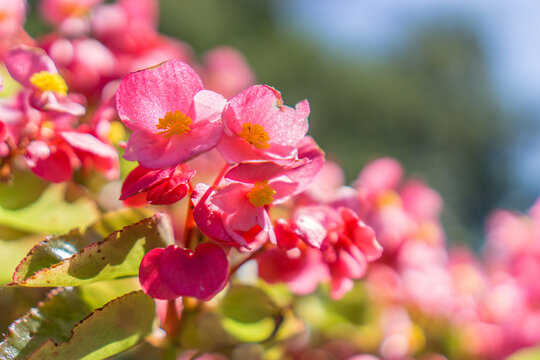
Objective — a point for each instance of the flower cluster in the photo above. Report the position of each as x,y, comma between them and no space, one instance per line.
268,162
243,182
57,109
487,304
240,156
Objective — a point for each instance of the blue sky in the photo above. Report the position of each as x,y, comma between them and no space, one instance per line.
509,31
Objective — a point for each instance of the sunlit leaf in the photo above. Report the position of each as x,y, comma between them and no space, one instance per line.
24,189
75,258
68,326
49,214
247,304
253,332
532,353
10,254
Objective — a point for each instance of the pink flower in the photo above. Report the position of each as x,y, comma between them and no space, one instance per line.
302,271
58,11
86,56
230,217
239,209
172,272
12,14
257,126
380,175
35,70
173,119
348,246
226,71
157,187
93,153
49,161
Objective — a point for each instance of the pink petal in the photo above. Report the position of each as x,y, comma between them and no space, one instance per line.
145,96
50,164
421,201
275,266
149,278
381,174
24,61
227,71
141,178
310,230
65,104
313,273
340,286
150,150
209,217
168,192
362,235
252,172
202,273
104,157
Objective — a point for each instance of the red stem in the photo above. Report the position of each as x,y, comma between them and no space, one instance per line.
189,224
171,324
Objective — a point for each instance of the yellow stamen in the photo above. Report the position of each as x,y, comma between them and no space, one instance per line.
255,135
116,133
48,81
261,194
174,123
388,198
72,9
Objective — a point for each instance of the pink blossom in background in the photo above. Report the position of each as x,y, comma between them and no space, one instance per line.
58,11
12,17
49,161
83,55
226,71
35,70
93,153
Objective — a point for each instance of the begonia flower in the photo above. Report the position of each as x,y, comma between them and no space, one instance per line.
35,70
83,55
257,126
57,12
174,271
380,175
49,161
173,119
347,248
12,13
226,71
157,186
94,153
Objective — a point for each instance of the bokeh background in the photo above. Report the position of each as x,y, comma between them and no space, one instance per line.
450,88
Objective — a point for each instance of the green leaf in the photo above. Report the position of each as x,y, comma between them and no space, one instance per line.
50,213
67,326
531,353
75,258
24,189
253,332
247,304
10,253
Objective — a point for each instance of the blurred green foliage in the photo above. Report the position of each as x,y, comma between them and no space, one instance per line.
430,104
